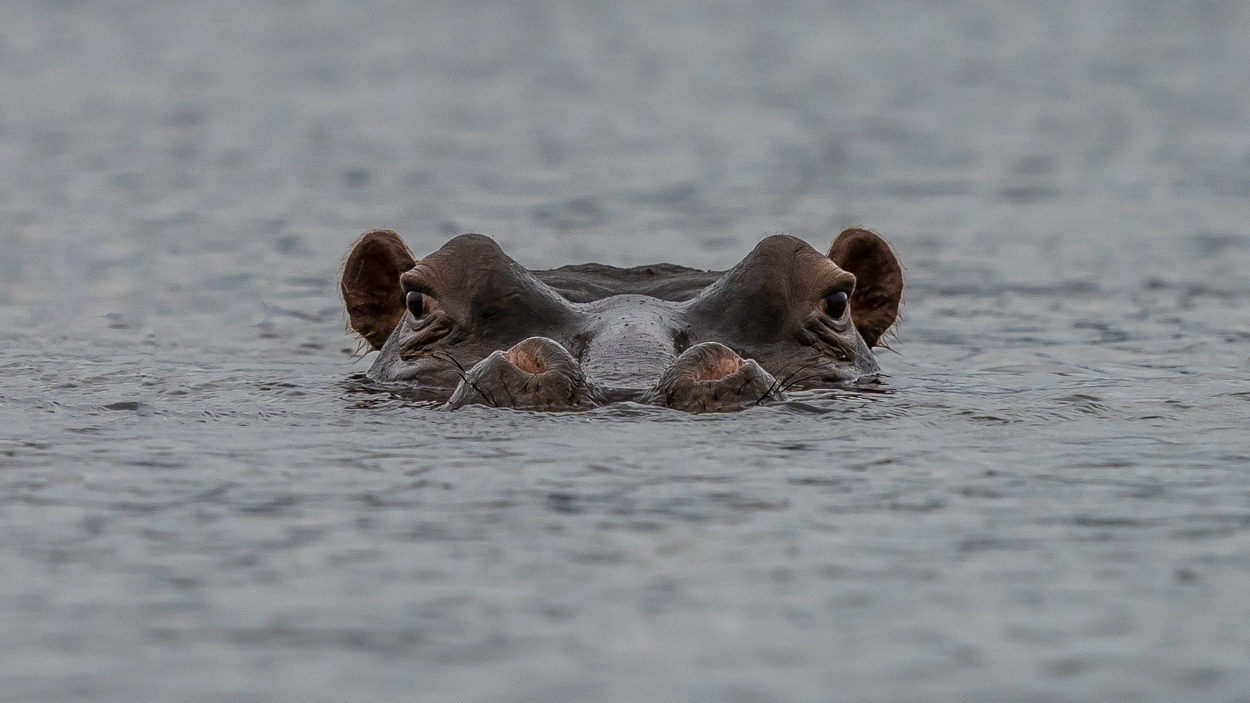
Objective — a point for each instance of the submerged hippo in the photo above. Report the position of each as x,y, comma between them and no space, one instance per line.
471,322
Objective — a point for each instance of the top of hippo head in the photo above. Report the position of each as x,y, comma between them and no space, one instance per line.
474,325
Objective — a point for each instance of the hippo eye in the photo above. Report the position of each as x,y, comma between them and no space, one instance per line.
836,303
415,303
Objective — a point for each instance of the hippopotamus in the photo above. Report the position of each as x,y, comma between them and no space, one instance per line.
477,328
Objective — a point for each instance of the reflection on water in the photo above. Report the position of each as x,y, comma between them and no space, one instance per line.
201,497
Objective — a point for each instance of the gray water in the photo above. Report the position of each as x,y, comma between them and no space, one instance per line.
201,501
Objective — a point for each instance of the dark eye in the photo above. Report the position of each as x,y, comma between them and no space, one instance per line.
415,303
835,304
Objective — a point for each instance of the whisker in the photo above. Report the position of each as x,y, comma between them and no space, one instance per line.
445,355
778,386
502,382
768,393
481,392
800,380
791,375
464,376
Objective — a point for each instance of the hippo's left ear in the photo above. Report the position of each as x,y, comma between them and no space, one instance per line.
370,285
878,280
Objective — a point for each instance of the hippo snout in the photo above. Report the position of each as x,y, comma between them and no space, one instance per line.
540,374
535,374
711,377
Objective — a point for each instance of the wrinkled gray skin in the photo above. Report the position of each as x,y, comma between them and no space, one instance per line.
481,326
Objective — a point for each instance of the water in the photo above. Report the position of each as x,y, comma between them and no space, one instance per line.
1049,501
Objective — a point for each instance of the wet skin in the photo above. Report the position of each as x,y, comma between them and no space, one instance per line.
471,323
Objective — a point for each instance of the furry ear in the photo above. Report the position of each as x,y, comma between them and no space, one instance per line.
370,285
878,280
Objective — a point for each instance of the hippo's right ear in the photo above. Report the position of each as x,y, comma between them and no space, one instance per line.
878,280
370,284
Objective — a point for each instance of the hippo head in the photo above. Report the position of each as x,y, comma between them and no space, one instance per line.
470,323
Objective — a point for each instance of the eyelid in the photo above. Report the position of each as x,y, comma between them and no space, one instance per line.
847,287
409,285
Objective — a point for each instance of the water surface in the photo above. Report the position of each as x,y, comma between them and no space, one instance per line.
1049,499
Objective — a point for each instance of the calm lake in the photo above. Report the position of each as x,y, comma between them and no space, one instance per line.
1047,499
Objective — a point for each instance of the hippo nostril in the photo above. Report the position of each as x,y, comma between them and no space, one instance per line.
714,369
415,303
711,377
536,373
526,360
709,361
539,355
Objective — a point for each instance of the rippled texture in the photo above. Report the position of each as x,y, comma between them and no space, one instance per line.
1049,499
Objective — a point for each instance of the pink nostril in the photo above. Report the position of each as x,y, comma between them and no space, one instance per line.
708,362
718,368
535,355
711,377
525,360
